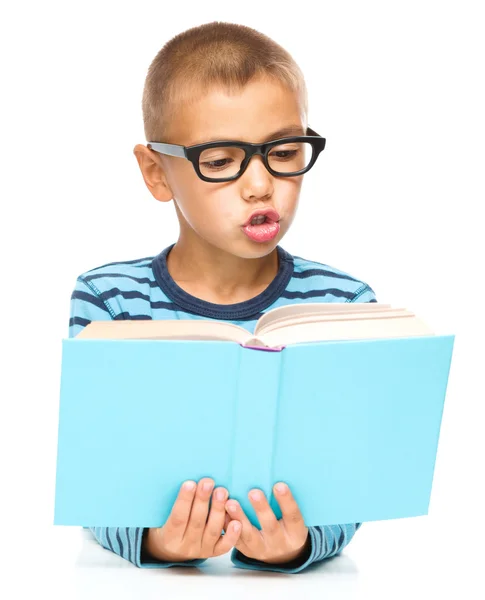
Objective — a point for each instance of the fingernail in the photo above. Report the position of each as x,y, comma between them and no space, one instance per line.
207,486
236,527
281,488
220,495
189,485
231,507
255,495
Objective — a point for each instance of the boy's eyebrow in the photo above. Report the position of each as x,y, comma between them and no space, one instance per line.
284,132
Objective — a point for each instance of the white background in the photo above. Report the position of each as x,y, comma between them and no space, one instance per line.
396,199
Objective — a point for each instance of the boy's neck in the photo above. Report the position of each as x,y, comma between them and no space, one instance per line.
220,277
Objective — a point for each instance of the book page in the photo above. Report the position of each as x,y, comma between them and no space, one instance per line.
347,329
286,314
337,316
173,329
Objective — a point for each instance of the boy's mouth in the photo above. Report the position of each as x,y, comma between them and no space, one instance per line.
262,226
265,215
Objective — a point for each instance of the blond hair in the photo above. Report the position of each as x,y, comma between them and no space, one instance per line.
215,54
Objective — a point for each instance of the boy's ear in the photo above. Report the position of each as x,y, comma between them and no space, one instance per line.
153,173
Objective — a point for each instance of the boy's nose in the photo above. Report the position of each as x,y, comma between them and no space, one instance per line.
256,179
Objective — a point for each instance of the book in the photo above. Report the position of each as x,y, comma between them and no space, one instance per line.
341,401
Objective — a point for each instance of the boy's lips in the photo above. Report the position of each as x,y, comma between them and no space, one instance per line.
271,216
265,231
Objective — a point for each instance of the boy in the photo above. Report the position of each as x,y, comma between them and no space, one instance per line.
214,83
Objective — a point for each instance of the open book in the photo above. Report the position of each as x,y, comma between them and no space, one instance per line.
345,406
292,324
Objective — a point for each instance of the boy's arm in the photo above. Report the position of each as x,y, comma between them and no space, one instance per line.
127,542
324,540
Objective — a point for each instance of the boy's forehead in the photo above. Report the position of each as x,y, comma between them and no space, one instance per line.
259,112
284,131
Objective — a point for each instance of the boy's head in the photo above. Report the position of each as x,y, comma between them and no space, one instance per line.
222,81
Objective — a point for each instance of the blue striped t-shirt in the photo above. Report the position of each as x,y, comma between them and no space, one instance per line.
144,289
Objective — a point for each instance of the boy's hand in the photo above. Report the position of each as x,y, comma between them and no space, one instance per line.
188,534
278,541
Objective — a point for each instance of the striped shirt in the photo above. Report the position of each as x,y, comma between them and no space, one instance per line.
144,289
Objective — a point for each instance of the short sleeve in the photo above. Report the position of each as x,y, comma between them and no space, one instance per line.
364,294
87,305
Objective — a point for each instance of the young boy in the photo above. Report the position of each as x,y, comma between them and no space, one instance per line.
214,83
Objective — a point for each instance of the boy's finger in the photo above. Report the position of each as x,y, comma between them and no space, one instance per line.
200,510
227,520
290,512
215,522
179,516
264,512
250,536
229,540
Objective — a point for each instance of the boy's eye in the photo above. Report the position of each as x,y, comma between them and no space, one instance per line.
214,164
290,158
283,152
227,159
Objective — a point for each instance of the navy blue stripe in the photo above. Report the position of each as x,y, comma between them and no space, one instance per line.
78,295
334,539
128,295
163,304
129,543
108,539
322,272
315,293
127,316
329,548
78,321
342,536
119,541
373,300
124,262
150,282
136,295
137,535
223,317
322,540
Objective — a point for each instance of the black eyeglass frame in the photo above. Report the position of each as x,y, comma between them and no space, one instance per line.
193,153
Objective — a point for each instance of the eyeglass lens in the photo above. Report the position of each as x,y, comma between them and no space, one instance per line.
218,163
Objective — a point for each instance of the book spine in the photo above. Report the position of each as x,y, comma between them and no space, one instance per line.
275,349
254,425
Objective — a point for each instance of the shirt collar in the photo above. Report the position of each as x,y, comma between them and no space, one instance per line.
234,312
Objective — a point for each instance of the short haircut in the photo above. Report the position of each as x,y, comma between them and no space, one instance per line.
216,54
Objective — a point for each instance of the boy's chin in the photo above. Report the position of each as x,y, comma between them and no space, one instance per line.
251,249
244,247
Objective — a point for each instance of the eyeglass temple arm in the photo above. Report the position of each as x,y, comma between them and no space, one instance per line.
170,149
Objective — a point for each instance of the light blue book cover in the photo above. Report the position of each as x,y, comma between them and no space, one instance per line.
352,426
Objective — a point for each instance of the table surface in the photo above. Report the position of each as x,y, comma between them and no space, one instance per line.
420,558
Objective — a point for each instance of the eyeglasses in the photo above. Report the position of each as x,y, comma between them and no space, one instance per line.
227,160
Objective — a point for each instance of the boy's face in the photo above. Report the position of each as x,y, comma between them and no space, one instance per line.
212,214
